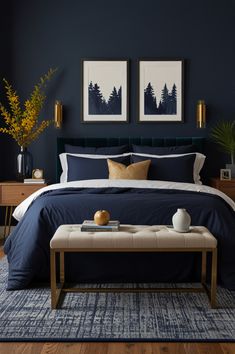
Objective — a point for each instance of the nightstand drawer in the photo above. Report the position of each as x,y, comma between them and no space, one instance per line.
15,194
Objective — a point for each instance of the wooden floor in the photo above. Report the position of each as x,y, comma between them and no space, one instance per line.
116,348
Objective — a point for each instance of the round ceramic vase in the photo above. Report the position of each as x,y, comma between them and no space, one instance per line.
181,220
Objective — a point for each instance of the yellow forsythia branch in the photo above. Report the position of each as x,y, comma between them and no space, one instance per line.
23,124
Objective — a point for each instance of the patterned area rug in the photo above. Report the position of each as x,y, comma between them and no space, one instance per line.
25,315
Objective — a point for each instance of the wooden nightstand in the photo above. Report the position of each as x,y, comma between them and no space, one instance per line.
11,195
227,187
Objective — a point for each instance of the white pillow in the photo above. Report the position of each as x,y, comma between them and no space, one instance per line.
198,163
64,163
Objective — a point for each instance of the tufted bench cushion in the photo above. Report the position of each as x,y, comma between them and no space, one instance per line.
133,236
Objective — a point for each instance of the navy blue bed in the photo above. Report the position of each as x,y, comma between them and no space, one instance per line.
27,248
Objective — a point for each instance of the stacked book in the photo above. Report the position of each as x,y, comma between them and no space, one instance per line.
34,180
90,225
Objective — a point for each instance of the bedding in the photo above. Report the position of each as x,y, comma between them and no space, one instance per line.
103,150
177,169
82,168
78,166
199,160
89,166
130,201
164,150
137,170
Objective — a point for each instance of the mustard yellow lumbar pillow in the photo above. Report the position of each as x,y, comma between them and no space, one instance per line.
138,170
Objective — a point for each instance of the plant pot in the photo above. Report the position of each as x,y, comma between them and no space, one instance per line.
232,168
24,164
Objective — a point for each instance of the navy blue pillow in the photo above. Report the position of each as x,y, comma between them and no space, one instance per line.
80,168
106,150
164,150
177,169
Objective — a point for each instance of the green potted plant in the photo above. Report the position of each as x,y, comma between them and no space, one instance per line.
224,135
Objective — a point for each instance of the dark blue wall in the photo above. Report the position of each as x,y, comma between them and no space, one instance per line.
5,71
49,33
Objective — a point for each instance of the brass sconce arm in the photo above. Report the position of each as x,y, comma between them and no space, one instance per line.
201,114
58,114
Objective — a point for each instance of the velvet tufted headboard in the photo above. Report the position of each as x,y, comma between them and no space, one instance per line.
165,141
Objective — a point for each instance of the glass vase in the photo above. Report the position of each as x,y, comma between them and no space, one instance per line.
24,164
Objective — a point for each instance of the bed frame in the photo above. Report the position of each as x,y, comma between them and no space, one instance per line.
97,142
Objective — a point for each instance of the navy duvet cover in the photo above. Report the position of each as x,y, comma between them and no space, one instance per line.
27,247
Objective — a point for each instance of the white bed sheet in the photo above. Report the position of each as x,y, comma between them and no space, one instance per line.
103,183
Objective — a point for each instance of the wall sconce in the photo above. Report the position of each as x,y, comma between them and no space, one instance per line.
58,114
201,114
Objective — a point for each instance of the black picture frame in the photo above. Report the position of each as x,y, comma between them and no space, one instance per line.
161,90
105,90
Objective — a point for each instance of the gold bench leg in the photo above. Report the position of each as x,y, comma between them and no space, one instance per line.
213,278
53,280
5,222
55,292
203,276
9,221
62,269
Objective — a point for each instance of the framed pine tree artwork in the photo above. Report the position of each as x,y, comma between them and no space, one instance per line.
160,90
105,90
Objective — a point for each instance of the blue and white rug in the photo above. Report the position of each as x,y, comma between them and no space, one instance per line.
25,315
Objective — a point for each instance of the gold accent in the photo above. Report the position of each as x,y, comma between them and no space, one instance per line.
201,114
213,278
7,221
138,170
55,292
133,290
62,268
58,114
115,250
37,170
203,277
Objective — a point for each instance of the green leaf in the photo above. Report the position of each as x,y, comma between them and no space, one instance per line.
224,135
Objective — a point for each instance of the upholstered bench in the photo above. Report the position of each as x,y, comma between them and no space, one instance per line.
133,238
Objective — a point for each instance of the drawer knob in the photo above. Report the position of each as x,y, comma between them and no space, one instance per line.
22,193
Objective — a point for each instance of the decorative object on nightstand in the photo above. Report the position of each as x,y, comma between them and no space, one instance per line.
225,186
225,174
34,181
24,163
11,195
201,114
23,124
37,173
224,135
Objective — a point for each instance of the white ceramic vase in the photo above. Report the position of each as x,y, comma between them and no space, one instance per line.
181,220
